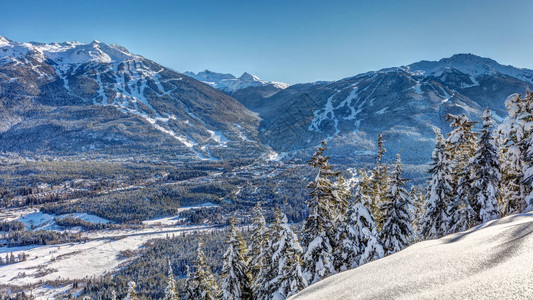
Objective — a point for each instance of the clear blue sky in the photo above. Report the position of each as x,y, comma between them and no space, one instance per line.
291,41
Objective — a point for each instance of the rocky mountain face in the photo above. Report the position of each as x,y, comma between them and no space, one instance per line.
69,98
403,103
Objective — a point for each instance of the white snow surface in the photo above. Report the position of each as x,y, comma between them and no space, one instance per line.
230,83
99,255
491,261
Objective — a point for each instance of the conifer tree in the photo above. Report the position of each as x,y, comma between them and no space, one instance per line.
360,243
462,144
257,247
202,285
527,147
170,290
286,261
435,220
486,173
397,232
132,294
419,200
379,182
235,282
190,288
512,138
262,284
318,235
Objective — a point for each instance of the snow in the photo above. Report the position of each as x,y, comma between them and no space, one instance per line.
38,221
173,220
491,261
95,257
85,217
33,219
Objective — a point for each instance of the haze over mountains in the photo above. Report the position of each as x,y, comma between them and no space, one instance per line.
62,99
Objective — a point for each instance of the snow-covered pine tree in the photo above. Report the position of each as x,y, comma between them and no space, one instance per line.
286,260
202,285
418,198
461,214
397,232
435,220
318,236
257,246
190,290
379,182
360,243
486,173
170,290
342,195
512,136
235,280
132,294
527,145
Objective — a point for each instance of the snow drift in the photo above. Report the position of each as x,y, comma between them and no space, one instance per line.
491,261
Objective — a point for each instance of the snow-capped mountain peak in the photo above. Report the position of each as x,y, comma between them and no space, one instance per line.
229,83
64,53
469,64
249,77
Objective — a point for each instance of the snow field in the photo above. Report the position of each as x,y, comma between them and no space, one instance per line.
491,261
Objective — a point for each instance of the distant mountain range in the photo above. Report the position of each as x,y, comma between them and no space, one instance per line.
62,99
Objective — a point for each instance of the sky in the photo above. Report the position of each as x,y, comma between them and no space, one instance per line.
288,41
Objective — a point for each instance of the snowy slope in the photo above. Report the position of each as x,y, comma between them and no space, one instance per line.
492,261
229,83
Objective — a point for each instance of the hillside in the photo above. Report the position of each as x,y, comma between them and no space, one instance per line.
402,102
67,98
491,261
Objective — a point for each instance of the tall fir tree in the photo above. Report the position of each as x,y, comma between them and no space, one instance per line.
202,285
257,247
379,182
512,137
397,232
170,289
286,261
343,195
527,145
486,173
435,220
360,243
132,294
318,236
235,280
418,198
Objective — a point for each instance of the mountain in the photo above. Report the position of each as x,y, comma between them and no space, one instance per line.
247,89
491,261
67,98
402,102
229,83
